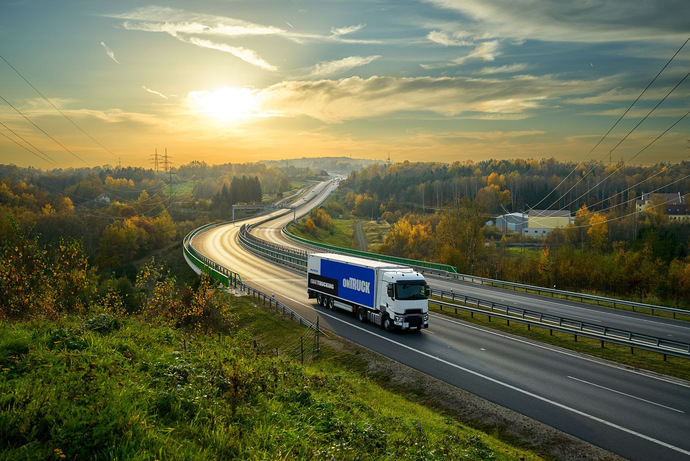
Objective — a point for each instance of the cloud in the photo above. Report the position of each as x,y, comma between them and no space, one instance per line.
577,20
177,22
507,69
484,51
639,113
481,98
109,52
157,93
240,52
482,135
338,31
332,67
173,21
40,109
446,39
628,95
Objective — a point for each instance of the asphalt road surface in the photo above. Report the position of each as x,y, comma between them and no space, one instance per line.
633,414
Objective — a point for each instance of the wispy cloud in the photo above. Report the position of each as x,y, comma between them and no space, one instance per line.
484,51
507,69
190,27
173,21
157,93
481,98
340,65
245,54
575,21
338,31
109,52
446,39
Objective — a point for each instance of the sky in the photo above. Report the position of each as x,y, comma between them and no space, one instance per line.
427,80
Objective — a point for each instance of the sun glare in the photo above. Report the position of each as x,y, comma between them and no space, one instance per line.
227,105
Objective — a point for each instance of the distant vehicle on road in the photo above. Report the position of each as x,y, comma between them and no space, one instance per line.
389,295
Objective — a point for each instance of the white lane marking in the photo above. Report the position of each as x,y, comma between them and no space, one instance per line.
551,302
559,351
517,389
627,395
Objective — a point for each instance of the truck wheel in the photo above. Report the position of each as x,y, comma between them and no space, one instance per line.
387,324
331,303
319,299
362,315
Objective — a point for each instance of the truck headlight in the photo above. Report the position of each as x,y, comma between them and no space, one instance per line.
398,320
426,317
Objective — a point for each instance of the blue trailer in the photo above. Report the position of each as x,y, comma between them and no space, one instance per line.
389,295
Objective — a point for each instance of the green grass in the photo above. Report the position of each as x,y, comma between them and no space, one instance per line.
184,188
340,234
102,387
375,233
652,361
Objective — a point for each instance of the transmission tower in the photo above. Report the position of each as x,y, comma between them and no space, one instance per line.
155,160
167,166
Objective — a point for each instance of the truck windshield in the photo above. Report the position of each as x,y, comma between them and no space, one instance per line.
410,290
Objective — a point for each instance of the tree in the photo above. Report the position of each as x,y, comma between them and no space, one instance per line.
598,231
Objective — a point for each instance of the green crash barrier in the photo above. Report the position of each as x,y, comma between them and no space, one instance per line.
380,257
218,272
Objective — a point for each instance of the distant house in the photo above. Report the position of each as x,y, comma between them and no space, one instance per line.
103,198
678,212
511,222
675,206
541,222
669,199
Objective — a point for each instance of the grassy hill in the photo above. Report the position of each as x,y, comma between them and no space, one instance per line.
103,386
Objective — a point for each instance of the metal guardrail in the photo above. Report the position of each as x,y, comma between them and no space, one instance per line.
228,278
417,264
294,257
563,324
567,295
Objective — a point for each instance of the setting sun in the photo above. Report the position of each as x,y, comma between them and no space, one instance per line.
227,105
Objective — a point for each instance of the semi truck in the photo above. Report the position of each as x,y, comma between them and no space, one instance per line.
386,294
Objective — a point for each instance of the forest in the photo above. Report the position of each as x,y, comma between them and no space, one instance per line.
445,213
98,227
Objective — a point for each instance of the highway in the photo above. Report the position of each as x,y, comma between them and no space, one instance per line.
614,318
635,415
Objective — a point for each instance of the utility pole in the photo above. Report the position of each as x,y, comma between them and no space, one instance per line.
167,165
155,160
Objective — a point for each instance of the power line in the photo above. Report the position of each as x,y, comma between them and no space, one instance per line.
617,167
41,129
639,96
55,107
649,113
45,156
617,218
611,129
22,145
650,192
620,166
631,187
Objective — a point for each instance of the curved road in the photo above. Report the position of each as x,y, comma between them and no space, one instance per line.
636,415
614,318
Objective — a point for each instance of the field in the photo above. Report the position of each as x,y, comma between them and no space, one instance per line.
108,387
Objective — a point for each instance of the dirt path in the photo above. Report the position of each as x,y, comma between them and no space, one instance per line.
360,238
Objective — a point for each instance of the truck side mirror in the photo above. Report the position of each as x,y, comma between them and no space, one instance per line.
427,291
391,293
